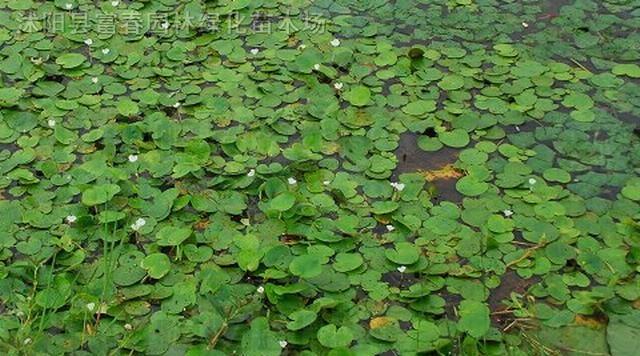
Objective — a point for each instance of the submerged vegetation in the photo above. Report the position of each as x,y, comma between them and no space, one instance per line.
332,177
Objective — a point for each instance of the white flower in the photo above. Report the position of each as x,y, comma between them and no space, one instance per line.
71,219
88,41
91,306
390,228
292,180
532,181
164,25
326,182
94,80
525,25
338,85
401,269
397,186
115,3
283,343
302,46
27,341
251,173
254,51
133,158
51,122
316,66
507,212
177,105
105,51
138,224
335,42
260,290
128,327
517,128
68,6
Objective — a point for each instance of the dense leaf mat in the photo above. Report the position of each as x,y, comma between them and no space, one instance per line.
319,177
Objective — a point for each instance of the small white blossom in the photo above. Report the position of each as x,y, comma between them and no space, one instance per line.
27,341
338,85
133,158
71,219
507,212
316,66
251,173
138,224
51,122
88,41
390,228
292,180
401,269
302,46
177,105
517,128
260,290
164,25
91,306
335,42
525,25
68,6
105,51
283,343
94,80
254,51
128,327
532,181
398,186
115,3
326,182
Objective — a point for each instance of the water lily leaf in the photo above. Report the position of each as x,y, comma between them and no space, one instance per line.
451,82
404,253
99,194
457,138
358,95
420,107
474,318
470,186
128,107
157,265
260,340
333,337
70,60
301,319
345,262
283,202
629,69
9,96
306,266
172,235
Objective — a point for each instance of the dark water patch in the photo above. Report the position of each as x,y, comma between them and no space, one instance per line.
445,190
400,280
451,303
509,282
412,159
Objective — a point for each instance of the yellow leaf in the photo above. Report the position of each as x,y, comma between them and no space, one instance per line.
445,172
379,322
